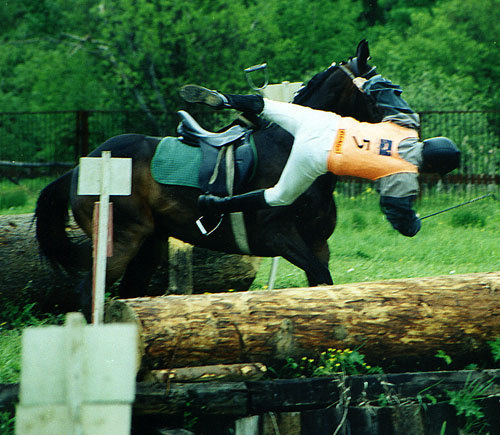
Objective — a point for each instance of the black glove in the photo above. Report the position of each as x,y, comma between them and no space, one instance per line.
400,214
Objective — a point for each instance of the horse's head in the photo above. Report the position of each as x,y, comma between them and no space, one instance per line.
333,89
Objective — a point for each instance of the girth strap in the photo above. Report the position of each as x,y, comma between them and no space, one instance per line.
237,219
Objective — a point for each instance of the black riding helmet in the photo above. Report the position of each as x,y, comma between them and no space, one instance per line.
440,155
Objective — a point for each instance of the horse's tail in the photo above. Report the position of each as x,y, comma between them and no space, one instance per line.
52,216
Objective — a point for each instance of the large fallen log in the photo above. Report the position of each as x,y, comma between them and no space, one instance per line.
25,277
394,320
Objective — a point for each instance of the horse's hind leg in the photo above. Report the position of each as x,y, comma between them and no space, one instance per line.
129,238
140,269
137,274
84,294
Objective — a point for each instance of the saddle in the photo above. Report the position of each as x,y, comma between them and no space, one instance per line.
228,158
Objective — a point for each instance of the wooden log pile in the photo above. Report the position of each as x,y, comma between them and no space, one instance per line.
394,320
25,277
375,404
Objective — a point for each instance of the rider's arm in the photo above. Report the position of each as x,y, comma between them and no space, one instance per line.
397,195
387,97
400,214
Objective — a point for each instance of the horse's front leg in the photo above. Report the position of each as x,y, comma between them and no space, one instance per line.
288,244
321,251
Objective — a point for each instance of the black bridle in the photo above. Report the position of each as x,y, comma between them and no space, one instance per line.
350,68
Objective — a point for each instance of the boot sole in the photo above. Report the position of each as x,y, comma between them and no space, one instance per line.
199,94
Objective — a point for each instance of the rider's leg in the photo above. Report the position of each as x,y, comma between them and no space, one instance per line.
245,202
291,117
243,103
301,170
313,130
297,119
307,161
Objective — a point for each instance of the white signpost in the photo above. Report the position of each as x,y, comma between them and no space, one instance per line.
103,176
80,379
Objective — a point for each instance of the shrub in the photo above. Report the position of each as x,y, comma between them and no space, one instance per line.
14,198
467,218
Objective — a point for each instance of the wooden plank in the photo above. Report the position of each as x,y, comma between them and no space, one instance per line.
228,398
411,384
56,419
219,373
108,370
289,395
284,395
241,399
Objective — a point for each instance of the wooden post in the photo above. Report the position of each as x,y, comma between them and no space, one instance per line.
82,134
102,239
103,176
99,258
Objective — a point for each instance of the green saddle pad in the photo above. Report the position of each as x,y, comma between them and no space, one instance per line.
176,163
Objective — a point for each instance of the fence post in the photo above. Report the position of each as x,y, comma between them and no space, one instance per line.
82,134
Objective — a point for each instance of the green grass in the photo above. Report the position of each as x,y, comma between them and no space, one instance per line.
10,371
10,356
364,247
19,199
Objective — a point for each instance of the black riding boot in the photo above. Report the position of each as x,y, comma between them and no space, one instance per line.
243,103
210,204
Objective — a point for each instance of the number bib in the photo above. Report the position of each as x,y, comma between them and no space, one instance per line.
369,150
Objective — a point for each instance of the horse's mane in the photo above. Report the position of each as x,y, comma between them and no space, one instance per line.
305,92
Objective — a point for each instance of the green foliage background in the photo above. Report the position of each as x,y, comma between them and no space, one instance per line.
135,54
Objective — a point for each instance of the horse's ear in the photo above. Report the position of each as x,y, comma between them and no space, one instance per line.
363,53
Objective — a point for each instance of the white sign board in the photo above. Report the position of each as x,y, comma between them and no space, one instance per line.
91,176
77,378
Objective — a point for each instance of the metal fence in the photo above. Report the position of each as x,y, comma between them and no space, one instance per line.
64,136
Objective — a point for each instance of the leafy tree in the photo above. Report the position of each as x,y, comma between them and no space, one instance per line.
134,54
443,58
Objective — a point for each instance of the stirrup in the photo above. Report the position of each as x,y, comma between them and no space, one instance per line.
202,228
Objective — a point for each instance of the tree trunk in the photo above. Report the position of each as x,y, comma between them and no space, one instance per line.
25,277
395,320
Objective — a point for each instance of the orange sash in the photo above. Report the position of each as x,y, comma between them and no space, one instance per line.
369,150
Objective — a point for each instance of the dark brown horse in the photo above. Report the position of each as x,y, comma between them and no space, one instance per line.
154,212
